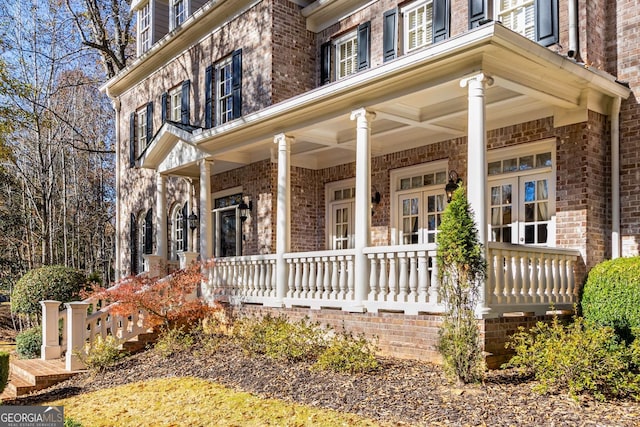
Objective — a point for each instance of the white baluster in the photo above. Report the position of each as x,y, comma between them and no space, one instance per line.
434,289
305,277
548,274
320,279
298,283
534,279
334,277
542,279
384,279
312,278
413,276
403,281
393,278
255,283
262,285
423,276
562,267
291,284
517,275
350,278
327,278
373,277
343,278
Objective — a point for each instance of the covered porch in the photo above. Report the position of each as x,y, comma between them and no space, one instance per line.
434,107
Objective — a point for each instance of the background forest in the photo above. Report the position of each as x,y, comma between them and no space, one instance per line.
57,152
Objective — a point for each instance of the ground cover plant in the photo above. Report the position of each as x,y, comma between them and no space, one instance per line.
582,359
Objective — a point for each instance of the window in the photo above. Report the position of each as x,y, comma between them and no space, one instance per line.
346,55
340,210
227,223
521,195
179,230
144,28
175,104
224,93
179,12
418,25
141,130
418,193
223,84
534,19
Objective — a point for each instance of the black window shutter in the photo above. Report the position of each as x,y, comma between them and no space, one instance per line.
185,227
148,232
133,243
186,85
236,82
477,12
149,122
546,12
390,35
165,98
132,139
440,20
208,97
364,45
325,66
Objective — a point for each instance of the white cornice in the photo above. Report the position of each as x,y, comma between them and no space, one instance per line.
323,13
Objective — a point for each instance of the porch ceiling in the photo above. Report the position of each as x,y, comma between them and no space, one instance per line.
418,100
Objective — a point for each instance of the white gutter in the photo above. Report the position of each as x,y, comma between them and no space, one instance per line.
615,178
116,106
573,30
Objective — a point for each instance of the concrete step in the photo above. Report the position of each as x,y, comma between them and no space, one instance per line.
18,386
27,376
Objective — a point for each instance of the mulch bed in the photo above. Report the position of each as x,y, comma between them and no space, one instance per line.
402,392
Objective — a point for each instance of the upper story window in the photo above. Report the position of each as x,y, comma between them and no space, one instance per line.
223,90
175,104
518,15
141,129
418,25
534,19
346,55
179,12
144,28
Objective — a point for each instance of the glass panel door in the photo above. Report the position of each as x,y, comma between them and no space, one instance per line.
535,209
433,213
409,224
227,236
342,225
502,211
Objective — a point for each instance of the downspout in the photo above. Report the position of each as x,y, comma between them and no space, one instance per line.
615,178
573,31
116,106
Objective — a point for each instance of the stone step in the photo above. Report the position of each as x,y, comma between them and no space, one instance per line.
18,386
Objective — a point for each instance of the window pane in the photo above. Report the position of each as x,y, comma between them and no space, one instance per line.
529,191
414,206
529,212
495,168
429,179
405,183
542,233
406,207
495,196
441,177
506,234
543,191
506,194
510,165
529,234
526,162
543,211
506,215
495,216
431,204
416,181
543,160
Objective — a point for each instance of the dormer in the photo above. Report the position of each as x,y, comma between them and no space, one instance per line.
156,18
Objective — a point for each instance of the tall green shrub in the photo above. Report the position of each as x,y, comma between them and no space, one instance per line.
461,271
54,282
612,295
29,342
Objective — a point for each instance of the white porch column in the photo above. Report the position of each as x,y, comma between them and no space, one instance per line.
50,348
283,214
362,217
477,162
76,330
161,216
206,223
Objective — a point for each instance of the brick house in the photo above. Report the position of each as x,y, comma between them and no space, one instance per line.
306,147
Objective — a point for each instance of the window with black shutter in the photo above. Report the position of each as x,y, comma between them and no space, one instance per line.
325,63
441,18
186,85
477,12
149,122
148,232
236,83
546,22
133,243
132,140
163,106
185,227
540,21
208,97
390,35
424,23
364,46
228,88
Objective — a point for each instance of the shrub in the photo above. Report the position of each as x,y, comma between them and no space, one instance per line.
55,282
580,358
70,422
347,354
28,343
612,295
278,339
173,340
462,270
101,353
4,370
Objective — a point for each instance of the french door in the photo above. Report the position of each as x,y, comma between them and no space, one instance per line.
342,236
419,214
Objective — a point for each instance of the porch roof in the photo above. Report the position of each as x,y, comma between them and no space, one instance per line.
417,99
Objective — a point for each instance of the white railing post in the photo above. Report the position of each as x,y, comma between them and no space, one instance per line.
76,328
50,337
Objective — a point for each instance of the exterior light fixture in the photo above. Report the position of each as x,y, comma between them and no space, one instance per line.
193,221
244,210
452,185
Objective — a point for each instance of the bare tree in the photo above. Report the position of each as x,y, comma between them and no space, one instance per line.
105,25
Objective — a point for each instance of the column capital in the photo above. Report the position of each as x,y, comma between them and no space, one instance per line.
206,162
483,78
283,138
363,113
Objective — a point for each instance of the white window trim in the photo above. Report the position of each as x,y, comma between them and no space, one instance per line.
404,11
496,12
218,96
175,104
395,177
141,9
141,130
177,209
352,35
329,189
214,213
172,13
546,145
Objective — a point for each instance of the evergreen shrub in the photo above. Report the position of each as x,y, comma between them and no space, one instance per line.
4,370
28,343
612,295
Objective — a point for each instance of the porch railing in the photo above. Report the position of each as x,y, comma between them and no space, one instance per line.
401,278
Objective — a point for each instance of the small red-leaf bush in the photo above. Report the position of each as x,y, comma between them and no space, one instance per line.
167,301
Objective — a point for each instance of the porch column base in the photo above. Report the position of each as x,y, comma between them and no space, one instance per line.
187,258
50,348
76,327
157,265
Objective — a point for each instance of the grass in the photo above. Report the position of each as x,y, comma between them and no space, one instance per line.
188,401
